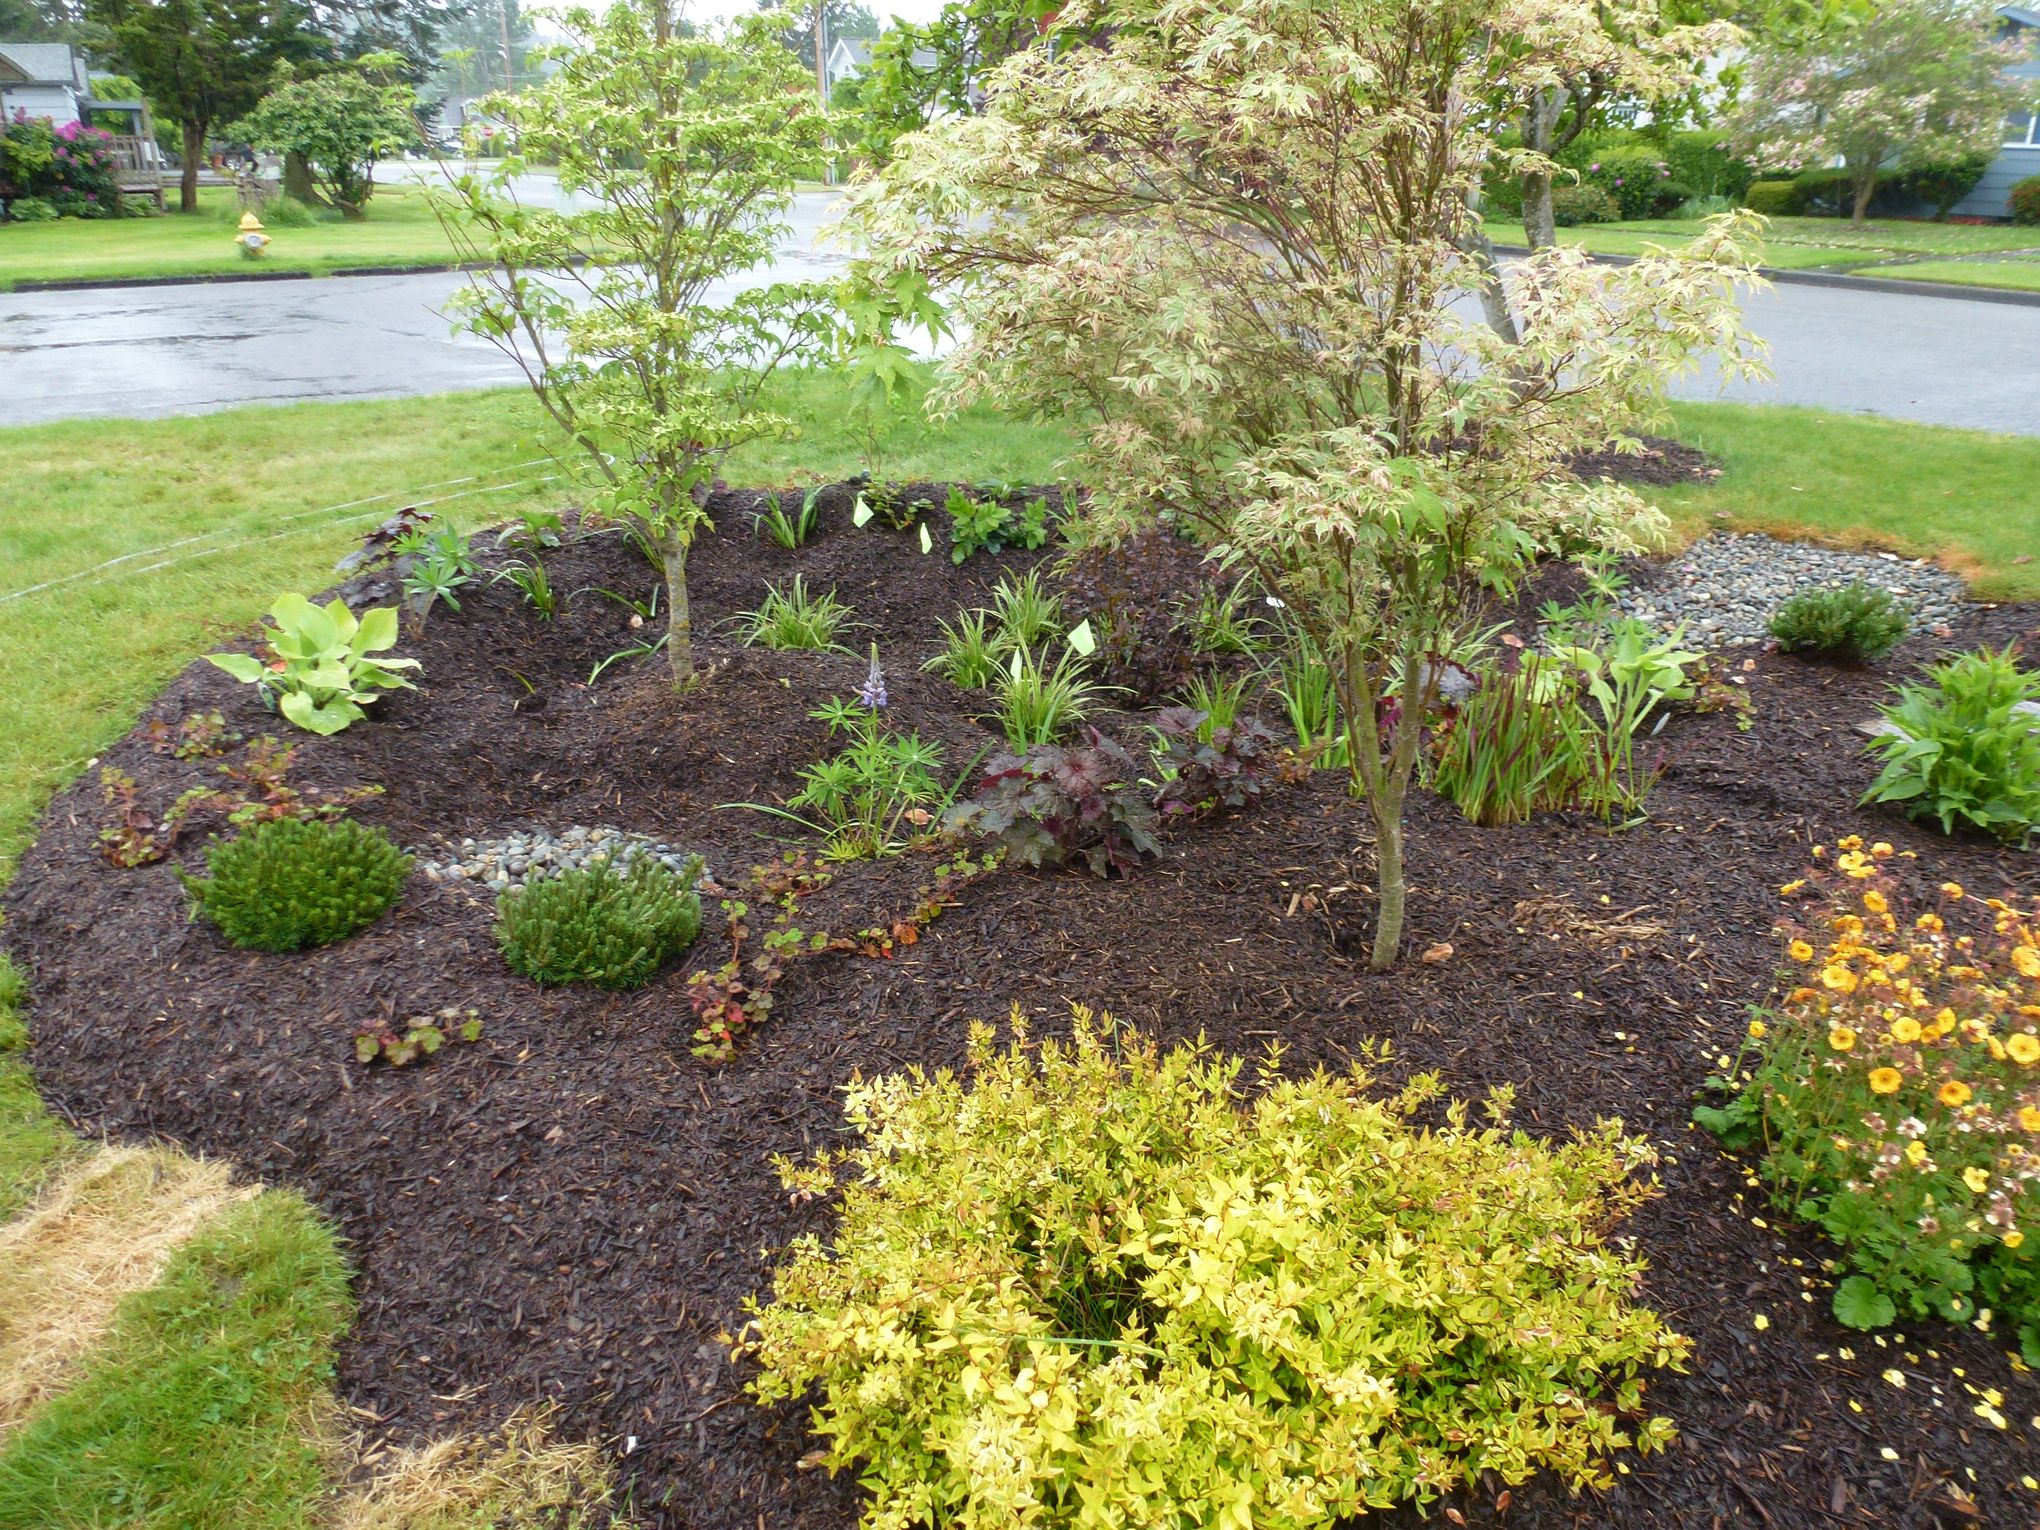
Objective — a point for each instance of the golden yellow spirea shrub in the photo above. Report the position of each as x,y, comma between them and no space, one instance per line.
1101,1285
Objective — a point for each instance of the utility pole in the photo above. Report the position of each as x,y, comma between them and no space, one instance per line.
503,31
822,79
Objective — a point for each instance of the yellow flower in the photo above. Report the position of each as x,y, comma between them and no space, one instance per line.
1952,891
1899,962
1905,1029
2024,1048
1799,951
2027,960
1849,842
1916,1152
1757,1030
1873,900
1953,1093
1839,978
1791,887
1929,922
2013,1238
1978,1180
1885,1080
1881,849
2029,1119
1842,1039
1944,1022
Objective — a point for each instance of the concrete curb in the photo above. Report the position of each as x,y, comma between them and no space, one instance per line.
220,278
2004,295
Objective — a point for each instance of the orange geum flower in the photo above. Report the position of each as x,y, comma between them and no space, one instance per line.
1882,849
1842,1038
1885,1080
1954,1093
2024,1048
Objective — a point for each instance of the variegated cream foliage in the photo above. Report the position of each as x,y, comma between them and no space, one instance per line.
1232,233
1105,1286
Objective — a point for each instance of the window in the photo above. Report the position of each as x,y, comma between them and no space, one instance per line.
2023,132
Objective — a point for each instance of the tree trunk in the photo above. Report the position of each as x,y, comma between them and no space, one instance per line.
679,615
297,179
1540,224
194,156
1388,871
1494,297
1866,188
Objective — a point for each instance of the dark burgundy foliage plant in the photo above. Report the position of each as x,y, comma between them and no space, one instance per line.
1228,770
1052,805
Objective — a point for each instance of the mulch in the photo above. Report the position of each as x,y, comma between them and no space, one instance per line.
572,1210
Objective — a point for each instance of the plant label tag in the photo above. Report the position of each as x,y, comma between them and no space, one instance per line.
860,513
1082,643
927,542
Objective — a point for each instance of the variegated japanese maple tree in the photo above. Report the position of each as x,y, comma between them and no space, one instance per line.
1228,234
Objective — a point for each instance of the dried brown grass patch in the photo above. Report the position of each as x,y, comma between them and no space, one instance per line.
104,1227
519,1479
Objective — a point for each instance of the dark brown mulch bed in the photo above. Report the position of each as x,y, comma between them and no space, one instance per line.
1662,461
575,1208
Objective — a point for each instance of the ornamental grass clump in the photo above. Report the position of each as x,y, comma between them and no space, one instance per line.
1896,1090
1856,624
610,925
288,884
1101,1284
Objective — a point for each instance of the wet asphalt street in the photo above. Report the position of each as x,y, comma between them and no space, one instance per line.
150,351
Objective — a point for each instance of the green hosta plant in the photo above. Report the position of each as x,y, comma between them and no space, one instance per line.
601,923
1101,1284
325,665
1965,749
288,884
1856,624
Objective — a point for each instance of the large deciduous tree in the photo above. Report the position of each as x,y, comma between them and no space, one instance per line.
683,146
339,124
201,62
1914,82
1228,233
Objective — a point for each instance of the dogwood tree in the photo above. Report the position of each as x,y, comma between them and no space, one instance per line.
1914,82
678,148
1228,233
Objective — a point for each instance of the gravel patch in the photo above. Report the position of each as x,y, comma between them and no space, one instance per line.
1725,587
498,864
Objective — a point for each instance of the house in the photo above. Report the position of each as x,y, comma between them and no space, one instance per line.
848,56
50,80
44,80
2020,155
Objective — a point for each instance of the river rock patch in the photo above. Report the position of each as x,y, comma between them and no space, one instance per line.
500,864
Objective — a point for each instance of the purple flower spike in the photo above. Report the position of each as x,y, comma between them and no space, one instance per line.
872,692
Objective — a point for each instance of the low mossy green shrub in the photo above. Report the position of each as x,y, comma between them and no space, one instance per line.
1774,199
609,925
2025,200
1964,749
1572,206
1856,623
1104,1285
288,884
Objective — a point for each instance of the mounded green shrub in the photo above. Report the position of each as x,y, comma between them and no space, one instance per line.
1856,624
1572,206
2025,199
1774,199
1102,1285
289,884
600,923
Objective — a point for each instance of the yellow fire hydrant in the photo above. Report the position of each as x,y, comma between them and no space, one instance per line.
251,239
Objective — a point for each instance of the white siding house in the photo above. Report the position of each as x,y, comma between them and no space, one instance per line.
44,80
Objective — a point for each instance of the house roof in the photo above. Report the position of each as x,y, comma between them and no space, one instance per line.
2024,15
854,52
43,63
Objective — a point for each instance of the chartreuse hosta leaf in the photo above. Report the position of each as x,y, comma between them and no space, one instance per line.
325,666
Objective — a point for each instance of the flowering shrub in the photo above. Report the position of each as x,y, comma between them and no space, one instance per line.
1637,180
1896,1088
1097,1289
69,168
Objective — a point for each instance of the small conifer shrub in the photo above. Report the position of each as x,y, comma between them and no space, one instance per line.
1856,624
288,884
610,925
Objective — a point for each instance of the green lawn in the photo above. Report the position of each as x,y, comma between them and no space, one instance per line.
1794,244
2017,275
398,231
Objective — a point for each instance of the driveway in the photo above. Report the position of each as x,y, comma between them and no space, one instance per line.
186,350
